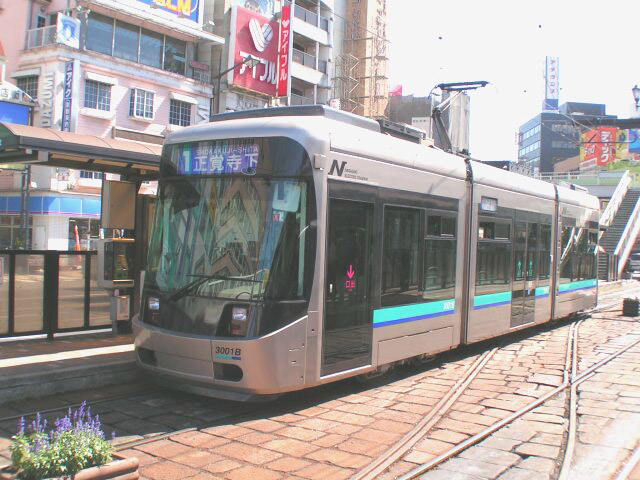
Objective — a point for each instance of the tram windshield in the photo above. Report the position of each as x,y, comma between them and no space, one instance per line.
231,223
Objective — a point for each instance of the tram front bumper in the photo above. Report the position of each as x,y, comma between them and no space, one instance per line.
267,365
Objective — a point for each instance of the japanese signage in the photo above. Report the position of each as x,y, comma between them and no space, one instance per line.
189,9
66,100
551,81
284,53
206,158
599,145
68,31
46,97
256,36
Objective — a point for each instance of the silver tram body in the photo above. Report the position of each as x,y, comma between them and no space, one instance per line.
341,251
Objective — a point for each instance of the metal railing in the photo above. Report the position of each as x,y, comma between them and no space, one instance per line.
300,100
303,58
311,17
592,179
619,193
49,292
40,37
198,75
628,239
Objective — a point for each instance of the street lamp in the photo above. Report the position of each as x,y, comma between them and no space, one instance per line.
249,60
636,95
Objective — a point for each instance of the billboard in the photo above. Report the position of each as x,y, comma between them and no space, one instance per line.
599,145
255,35
14,113
551,83
188,9
284,53
265,7
68,31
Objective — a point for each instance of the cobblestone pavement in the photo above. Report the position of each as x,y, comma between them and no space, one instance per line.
338,431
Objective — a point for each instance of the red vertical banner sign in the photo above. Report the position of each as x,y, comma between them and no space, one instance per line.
284,53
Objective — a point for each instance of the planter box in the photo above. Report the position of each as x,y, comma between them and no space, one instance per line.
631,307
126,469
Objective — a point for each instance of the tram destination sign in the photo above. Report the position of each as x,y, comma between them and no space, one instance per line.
208,158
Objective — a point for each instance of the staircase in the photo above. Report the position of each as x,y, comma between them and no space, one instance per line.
611,238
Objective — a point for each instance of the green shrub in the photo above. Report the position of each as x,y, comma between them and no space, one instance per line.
76,442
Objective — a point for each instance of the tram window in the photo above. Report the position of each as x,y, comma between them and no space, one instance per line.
532,251
439,268
568,271
493,267
448,227
503,231
545,252
486,230
438,225
401,256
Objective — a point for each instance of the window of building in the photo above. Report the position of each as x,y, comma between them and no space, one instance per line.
141,103
126,41
100,33
179,113
12,233
151,47
97,95
493,264
88,229
136,44
29,85
439,274
175,55
89,174
41,21
401,256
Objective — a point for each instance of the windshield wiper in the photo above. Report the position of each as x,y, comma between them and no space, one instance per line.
200,279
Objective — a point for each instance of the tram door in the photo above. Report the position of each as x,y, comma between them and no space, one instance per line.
346,340
524,290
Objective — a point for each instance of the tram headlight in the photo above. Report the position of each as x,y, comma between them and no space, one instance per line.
239,316
153,303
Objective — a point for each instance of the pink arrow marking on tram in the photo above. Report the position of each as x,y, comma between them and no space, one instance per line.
350,273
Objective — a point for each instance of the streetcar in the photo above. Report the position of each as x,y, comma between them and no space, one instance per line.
297,246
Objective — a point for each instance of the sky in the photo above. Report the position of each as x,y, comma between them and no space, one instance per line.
505,43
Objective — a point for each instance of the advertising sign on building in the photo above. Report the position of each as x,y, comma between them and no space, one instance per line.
600,145
68,94
265,7
68,31
188,9
551,82
284,53
257,36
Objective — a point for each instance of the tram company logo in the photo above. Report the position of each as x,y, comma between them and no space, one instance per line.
337,169
340,169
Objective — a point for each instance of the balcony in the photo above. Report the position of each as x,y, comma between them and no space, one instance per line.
41,37
303,58
300,100
202,76
311,17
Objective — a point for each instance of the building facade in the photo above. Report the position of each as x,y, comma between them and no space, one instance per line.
551,138
121,69
360,59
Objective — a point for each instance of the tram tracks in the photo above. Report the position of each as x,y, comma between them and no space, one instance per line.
572,378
